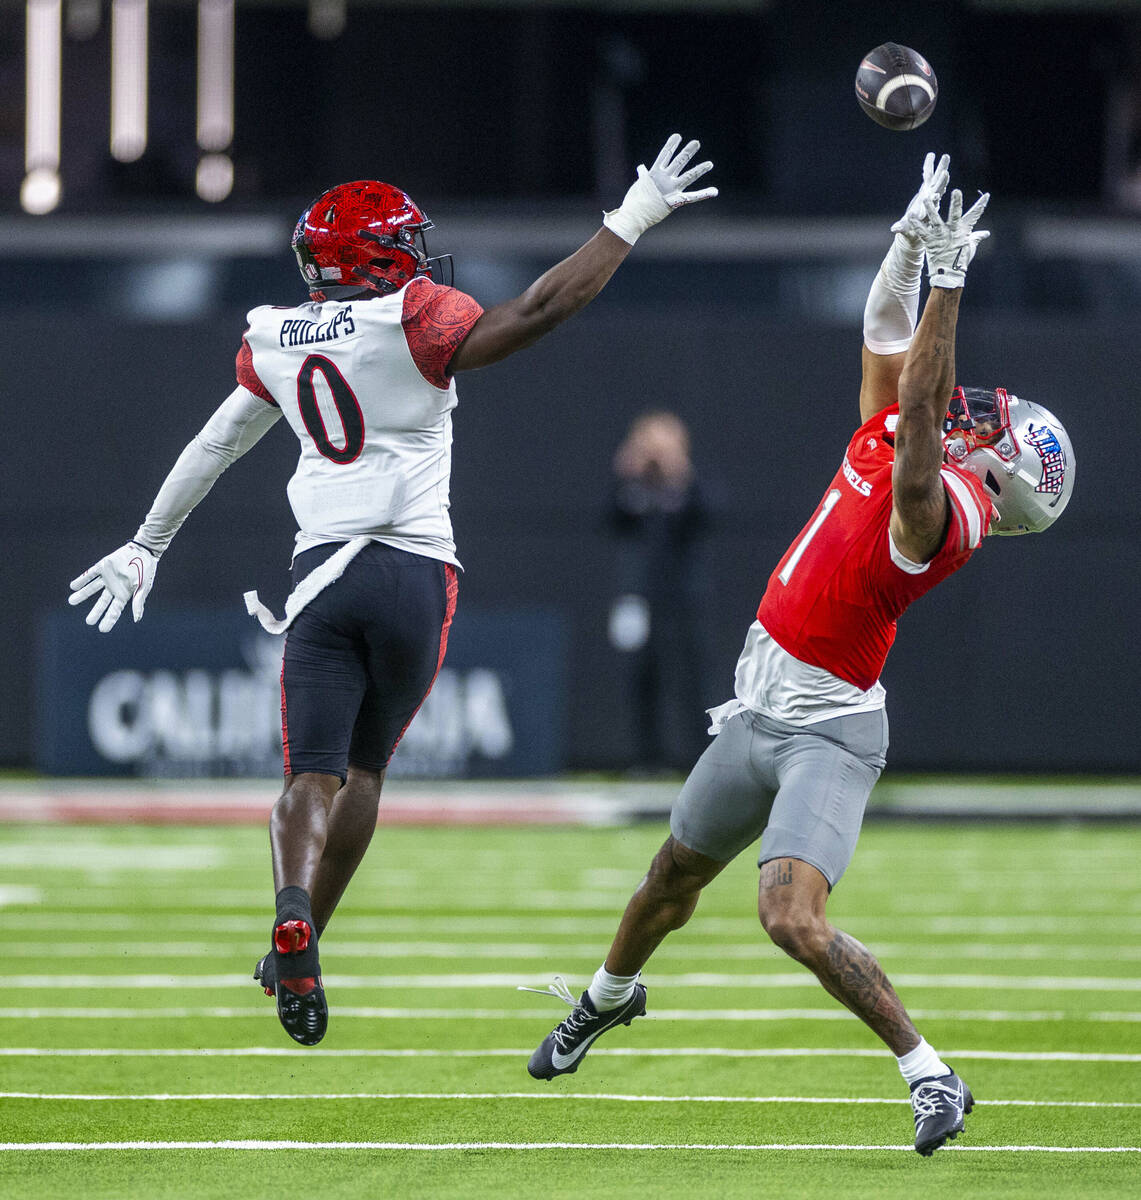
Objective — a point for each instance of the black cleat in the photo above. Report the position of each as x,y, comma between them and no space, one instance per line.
301,1006
302,1010
940,1104
561,1051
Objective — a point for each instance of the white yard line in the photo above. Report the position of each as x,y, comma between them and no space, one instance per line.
745,951
89,857
620,1097
452,1146
369,1012
61,915
620,1052
691,979
85,892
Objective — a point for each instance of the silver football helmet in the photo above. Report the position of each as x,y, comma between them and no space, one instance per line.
1018,450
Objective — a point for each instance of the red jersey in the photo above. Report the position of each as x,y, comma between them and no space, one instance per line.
835,596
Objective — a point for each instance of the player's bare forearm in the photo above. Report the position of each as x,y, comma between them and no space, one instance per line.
919,511
556,295
925,386
879,381
928,374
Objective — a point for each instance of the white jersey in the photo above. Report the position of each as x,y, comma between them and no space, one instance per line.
364,386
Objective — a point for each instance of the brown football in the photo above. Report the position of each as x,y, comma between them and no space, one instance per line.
896,86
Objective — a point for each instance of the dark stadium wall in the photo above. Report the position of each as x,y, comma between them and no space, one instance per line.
1025,660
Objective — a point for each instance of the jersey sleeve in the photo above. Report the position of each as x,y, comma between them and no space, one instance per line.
970,513
436,320
247,376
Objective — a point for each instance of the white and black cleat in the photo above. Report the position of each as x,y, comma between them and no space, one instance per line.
940,1104
265,975
561,1051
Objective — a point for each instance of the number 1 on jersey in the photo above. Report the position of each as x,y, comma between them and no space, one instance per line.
829,503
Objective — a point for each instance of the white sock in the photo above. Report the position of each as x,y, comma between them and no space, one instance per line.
607,991
921,1063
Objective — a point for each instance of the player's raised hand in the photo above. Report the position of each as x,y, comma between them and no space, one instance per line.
670,177
659,189
125,574
935,179
951,244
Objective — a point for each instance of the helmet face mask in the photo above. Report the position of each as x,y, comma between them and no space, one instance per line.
981,416
1018,450
365,235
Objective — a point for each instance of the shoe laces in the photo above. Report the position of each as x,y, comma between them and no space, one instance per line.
929,1099
567,1029
557,988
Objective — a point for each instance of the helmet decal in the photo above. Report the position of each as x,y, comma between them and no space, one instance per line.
1045,441
1018,450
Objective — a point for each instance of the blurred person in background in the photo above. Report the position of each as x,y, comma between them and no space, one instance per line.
931,470
661,514
363,373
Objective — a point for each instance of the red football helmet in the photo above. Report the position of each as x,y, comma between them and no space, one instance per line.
364,234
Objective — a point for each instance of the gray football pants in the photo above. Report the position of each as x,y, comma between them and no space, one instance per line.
801,789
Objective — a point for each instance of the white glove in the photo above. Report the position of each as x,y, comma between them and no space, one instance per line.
950,245
126,574
659,190
934,185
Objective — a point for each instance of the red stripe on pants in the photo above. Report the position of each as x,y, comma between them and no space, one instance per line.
284,718
449,612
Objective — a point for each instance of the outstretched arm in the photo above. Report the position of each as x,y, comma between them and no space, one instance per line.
550,300
920,506
893,302
573,283
127,574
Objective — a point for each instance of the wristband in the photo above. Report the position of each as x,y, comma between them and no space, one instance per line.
642,207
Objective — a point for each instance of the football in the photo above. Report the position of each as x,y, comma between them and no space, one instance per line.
896,86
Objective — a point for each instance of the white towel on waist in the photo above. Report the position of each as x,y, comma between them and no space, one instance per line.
311,586
722,713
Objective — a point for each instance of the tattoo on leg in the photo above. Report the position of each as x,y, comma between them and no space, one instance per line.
855,978
854,969
775,873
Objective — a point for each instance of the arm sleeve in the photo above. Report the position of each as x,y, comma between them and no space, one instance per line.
239,422
891,312
436,320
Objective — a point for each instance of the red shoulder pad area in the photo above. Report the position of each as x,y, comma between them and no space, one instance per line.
970,511
436,320
247,376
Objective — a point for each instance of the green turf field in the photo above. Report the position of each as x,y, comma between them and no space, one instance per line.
130,1024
